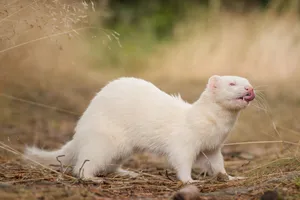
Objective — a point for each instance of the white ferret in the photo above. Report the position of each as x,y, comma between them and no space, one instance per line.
131,114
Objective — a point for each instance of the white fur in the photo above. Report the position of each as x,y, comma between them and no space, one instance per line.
131,114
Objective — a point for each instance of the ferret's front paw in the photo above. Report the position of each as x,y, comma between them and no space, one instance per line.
233,178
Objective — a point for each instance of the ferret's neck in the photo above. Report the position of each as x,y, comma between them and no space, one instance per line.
212,120
206,105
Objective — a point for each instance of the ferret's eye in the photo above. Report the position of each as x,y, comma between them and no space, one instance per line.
232,84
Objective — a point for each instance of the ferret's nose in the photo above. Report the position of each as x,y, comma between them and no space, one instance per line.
249,88
250,93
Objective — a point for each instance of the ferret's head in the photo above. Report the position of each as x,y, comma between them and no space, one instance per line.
231,92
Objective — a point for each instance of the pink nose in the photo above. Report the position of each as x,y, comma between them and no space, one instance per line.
248,88
250,94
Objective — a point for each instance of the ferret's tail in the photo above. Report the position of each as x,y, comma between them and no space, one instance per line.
50,157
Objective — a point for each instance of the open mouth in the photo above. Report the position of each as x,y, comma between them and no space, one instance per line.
249,96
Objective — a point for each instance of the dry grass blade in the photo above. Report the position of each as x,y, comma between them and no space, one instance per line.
262,142
290,130
10,149
23,8
28,180
38,104
268,163
48,37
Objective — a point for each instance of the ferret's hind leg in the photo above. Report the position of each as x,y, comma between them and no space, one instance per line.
87,171
95,159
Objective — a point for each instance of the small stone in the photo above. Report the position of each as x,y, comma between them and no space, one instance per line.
270,195
189,192
222,177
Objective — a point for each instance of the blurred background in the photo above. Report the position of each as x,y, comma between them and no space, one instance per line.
55,55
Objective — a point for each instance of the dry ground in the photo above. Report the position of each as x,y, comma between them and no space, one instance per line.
46,85
268,167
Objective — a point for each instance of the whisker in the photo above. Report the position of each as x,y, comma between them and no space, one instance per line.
262,95
262,100
258,90
260,108
260,86
261,103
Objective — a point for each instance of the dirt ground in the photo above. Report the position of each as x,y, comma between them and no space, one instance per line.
274,168
46,83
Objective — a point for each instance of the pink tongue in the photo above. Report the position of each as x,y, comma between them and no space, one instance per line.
250,97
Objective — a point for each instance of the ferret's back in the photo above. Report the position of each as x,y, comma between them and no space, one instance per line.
129,85
134,101
136,90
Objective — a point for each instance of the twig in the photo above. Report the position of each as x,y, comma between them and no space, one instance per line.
81,170
167,174
61,167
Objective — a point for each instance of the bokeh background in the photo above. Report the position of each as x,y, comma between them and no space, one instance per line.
55,55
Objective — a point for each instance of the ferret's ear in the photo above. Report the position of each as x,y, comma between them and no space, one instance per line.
213,82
